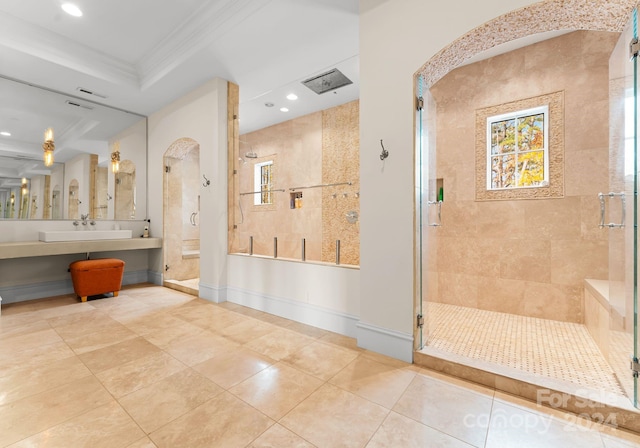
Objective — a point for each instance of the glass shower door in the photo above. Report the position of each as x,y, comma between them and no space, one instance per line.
618,210
429,196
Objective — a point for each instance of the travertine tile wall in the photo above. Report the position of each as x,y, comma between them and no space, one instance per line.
526,257
341,163
300,149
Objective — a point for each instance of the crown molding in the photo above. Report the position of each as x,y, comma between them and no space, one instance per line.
200,29
48,46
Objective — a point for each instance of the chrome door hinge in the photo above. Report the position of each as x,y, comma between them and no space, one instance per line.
167,169
634,48
420,320
635,367
420,103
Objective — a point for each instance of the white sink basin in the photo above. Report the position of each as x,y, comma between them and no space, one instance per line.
83,235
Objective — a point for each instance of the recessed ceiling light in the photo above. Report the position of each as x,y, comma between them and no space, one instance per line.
72,10
5,133
284,109
292,97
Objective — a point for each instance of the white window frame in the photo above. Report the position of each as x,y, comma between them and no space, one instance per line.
514,116
257,183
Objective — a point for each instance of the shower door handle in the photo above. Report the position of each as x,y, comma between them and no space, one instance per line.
438,223
611,194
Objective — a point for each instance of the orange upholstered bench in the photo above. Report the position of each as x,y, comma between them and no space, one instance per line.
99,276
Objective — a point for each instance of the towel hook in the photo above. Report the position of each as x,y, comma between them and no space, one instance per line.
206,182
384,153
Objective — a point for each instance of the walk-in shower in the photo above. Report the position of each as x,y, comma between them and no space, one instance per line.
516,278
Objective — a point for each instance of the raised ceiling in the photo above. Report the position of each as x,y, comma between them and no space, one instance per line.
140,55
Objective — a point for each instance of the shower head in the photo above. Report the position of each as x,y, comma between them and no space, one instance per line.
251,155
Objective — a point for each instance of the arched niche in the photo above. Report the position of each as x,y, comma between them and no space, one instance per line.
125,191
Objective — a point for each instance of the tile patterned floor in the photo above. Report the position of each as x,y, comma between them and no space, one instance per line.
559,350
156,367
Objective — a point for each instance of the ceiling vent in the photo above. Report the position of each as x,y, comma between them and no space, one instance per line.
75,104
326,82
89,92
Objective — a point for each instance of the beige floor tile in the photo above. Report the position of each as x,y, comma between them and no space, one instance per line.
86,316
200,347
149,324
321,360
374,381
143,443
279,343
172,335
400,431
231,368
333,417
156,405
246,330
34,356
196,309
10,331
29,341
134,375
118,354
513,426
100,339
90,323
31,415
341,341
223,421
276,390
307,330
279,437
447,408
33,380
108,426
221,319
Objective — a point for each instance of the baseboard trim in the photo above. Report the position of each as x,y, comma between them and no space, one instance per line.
32,291
330,320
383,340
155,277
212,293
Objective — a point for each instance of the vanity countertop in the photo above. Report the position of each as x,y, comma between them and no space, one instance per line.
23,249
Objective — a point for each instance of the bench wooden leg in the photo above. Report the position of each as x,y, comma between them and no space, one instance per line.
84,298
115,293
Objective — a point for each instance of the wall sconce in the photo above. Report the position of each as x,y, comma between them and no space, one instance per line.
115,157
24,186
48,147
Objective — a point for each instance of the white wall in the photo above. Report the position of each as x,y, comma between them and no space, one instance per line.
201,116
396,38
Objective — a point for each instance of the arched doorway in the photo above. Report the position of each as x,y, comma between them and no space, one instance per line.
181,205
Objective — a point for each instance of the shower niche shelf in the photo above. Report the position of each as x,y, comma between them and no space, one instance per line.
295,200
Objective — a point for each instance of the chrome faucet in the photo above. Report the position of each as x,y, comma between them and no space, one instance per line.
84,219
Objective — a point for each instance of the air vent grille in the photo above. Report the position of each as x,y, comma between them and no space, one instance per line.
328,81
89,92
76,104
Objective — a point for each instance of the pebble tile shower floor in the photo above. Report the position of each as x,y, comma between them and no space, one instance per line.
559,350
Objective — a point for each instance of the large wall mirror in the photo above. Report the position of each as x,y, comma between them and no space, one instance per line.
86,178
